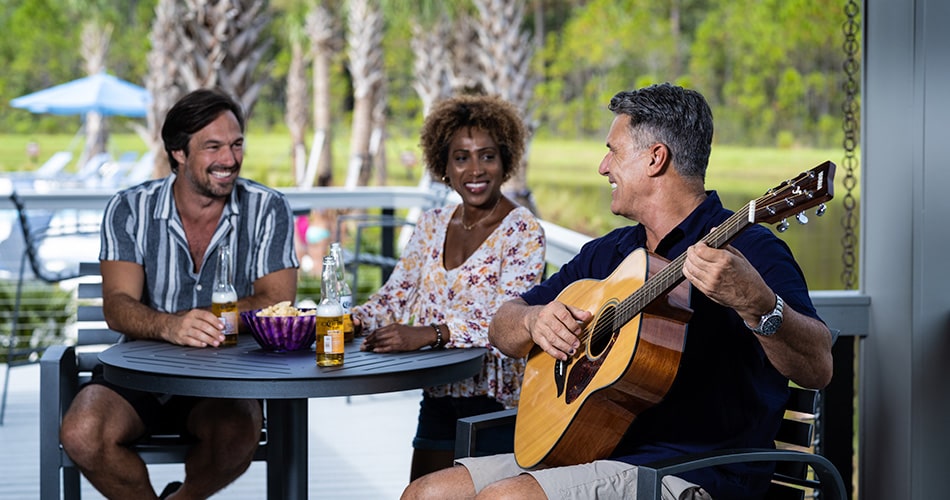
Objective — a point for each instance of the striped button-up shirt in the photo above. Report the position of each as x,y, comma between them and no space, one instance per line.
141,224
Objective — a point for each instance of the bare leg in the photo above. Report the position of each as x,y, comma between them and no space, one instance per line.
228,431
447,484
456,484
95,430
522,487
426,461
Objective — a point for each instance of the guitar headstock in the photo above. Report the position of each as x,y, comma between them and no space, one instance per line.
794,196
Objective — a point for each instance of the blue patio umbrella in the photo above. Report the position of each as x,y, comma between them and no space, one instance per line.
101,93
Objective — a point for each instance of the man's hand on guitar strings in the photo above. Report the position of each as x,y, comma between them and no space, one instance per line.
728,278
558,328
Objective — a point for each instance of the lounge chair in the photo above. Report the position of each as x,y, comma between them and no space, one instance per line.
51,168
141,171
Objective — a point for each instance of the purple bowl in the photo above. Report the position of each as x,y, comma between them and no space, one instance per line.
281,333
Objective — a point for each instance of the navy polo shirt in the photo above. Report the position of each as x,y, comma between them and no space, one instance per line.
726,393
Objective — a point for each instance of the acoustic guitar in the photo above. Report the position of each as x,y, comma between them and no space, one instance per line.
576,411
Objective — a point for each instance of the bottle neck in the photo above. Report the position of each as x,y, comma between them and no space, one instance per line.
222,275
337,253
328,283
328,290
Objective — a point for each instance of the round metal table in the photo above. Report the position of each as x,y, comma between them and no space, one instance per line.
286,380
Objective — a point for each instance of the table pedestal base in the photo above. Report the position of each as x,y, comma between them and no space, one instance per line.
287,449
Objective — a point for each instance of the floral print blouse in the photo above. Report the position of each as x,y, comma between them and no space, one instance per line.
421,291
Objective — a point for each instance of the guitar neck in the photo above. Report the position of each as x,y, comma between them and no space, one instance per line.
671,275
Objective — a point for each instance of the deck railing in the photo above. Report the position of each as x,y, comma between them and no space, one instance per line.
847,311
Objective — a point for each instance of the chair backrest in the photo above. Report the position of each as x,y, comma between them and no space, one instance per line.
386,260
92,334
91,167
141,171
54,165
798,431
35,228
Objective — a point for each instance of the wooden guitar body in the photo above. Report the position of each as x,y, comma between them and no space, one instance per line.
610,379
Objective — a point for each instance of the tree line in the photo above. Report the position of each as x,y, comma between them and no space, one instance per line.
771,69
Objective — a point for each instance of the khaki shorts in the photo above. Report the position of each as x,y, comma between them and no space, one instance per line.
604,479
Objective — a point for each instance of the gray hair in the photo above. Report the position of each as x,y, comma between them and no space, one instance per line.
676,117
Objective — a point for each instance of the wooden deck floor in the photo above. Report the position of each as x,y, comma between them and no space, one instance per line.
359,449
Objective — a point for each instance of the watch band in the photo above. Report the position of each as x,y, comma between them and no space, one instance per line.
770,322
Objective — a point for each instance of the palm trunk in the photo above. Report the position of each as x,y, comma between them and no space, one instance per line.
324,43
366,68
296,112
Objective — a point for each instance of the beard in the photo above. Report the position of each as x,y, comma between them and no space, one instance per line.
206,184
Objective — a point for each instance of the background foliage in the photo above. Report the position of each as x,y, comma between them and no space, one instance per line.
770,68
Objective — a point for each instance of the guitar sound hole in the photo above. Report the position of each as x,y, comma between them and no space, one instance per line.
602,333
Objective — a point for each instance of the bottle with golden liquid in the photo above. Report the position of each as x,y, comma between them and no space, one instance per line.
329,318
344,293
224,298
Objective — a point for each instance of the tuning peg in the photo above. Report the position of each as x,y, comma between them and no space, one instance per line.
801,218
821,210
782,226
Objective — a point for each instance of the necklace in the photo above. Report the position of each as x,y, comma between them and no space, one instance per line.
479,221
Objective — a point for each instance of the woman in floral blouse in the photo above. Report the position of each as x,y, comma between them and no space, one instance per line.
460,265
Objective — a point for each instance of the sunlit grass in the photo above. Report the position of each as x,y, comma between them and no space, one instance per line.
562,175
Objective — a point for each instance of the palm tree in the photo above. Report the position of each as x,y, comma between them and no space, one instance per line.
325,42
221,45
295,114
504,54
432,63
365,26
205,43
162,78
94,46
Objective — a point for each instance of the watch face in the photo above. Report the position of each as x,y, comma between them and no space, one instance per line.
771,325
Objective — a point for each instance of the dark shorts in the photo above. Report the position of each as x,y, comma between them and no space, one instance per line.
162,414
437,416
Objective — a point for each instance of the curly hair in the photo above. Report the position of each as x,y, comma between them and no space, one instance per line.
494,115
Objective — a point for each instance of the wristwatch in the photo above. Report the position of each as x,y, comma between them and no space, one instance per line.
771,322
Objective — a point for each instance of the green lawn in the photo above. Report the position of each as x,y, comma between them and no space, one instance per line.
563,177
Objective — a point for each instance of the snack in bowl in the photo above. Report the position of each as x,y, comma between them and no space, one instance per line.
282,327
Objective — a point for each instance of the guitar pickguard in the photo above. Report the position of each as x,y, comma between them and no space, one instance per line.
560,375
602,337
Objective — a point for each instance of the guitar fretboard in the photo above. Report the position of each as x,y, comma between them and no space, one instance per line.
672,275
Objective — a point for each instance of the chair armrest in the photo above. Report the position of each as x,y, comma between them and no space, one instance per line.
466,429
649,476
58,379
58,386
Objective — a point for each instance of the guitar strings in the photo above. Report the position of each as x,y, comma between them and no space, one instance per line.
665,279
672,274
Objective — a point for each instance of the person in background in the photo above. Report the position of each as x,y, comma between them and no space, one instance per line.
461,263
159,240
753,326
313,240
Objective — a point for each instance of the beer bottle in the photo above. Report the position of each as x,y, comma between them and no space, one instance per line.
345,294
224,298
329,318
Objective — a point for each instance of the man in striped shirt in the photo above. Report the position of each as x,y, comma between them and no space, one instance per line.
159,240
